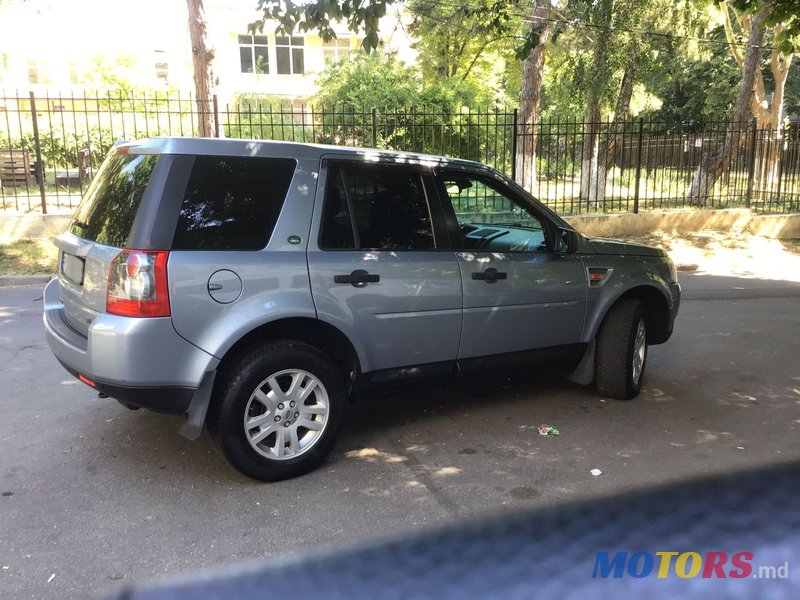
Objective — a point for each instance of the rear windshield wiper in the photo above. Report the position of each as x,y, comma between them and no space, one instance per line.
81,224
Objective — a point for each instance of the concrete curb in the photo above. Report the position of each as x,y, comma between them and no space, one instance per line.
12,280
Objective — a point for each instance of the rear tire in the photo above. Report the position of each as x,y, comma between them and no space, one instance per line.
621,354
277,412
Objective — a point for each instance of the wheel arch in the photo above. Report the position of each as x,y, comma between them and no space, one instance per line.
656,312
324,336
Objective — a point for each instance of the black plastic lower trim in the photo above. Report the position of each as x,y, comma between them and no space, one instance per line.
172,400
563,358
168,399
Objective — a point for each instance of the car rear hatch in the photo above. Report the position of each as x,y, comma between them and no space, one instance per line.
101,227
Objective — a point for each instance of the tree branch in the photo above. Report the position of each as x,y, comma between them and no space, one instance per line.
728,26
476,57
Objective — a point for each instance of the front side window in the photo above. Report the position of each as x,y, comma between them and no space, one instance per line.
232,202
489,218
254,54
289,54
375,207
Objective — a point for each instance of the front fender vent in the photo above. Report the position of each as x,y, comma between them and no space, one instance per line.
598,276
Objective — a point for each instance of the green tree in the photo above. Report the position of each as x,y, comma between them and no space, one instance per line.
464,40
703,80
783,13
716,161
758,22
409,115
374,80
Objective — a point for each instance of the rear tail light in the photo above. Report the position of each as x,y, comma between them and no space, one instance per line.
137,284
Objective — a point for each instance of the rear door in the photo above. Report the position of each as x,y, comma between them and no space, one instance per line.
380,266
519,294
101,227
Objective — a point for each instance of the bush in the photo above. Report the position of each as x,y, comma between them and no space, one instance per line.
60,147
409,116
267,118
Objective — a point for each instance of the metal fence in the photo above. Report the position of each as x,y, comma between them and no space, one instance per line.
51,145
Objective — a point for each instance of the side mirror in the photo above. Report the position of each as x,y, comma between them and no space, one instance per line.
566,241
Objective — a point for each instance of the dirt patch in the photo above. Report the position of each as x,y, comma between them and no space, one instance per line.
28,257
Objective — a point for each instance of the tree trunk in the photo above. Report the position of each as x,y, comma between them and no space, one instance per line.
715,162
596,88
780,73
621,111
589,153
530,98
767,111
201,60
607,150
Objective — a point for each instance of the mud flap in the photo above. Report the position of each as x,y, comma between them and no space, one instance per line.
192,427
584,372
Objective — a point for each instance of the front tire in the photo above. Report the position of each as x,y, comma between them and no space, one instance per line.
621,354
277,412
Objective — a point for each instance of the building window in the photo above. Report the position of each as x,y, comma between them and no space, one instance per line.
33,73
253,55
336,48
289,53
162,71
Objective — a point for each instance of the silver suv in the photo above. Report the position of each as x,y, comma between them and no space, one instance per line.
256,287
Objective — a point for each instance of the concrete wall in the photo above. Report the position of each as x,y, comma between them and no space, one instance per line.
14,227
774,226
782,227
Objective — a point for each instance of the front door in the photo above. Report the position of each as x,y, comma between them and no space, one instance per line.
380,271
519,294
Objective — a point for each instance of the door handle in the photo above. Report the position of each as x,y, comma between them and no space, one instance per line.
490,275
358,278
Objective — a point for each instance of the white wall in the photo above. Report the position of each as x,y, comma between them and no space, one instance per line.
62,36
59,35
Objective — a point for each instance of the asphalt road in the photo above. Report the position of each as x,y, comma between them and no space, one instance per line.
95,496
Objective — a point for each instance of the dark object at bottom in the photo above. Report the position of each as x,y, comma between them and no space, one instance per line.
549,553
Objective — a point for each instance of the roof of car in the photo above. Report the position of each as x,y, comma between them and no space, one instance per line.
263,148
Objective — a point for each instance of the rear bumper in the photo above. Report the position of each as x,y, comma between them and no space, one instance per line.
171,400
142,361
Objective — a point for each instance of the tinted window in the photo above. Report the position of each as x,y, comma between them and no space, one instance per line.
232,203
388,206
107,211
489,218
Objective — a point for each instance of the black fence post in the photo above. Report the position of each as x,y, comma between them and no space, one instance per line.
374,128
751,167
779,144
514,145
38,143
638,176
216,115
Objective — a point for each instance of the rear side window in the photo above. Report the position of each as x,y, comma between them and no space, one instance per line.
107,211
232,203
375,207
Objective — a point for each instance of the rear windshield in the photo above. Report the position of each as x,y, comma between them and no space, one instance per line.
232,203
107,211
